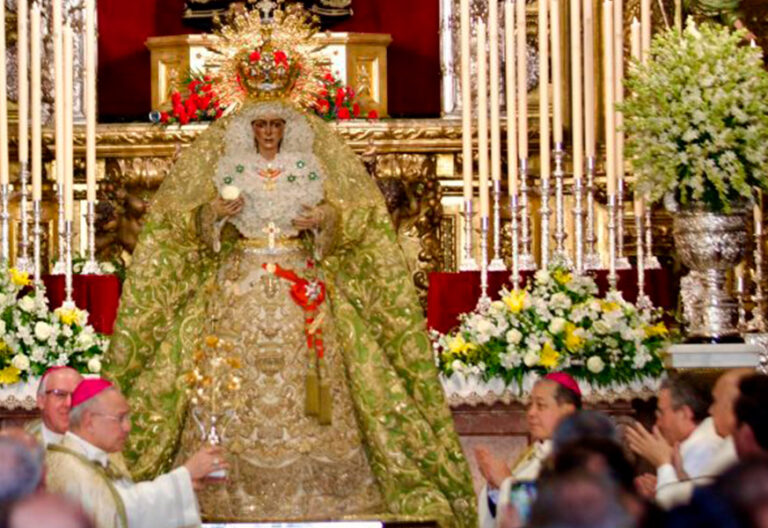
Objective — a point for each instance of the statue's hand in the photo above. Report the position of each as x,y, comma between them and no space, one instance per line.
226,208
310,218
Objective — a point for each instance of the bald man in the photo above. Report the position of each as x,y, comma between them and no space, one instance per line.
54,399
48,510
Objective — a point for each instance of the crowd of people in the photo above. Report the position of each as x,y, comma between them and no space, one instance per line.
706,455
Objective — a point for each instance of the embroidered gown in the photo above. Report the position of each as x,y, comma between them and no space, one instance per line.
390,446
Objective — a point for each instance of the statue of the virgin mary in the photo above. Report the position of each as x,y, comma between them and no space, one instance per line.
269,233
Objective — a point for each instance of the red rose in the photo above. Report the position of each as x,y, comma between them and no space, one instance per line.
344,113
175,98
339,97
183,118
193,84
219,112
190,106
373,114
207,78
328,77
207,88
356,109
323,106
323,92
350,92
281,58
163,117
255,56
178,109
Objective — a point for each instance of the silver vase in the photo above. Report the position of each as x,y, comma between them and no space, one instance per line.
710,245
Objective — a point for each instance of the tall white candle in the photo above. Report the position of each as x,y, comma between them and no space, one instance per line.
544,144
510,89
22,44
557,73
589,80
618,61
576,89
635,49
4,168
466,100
608,98
58,68
482,116
645,21
493,53
90,100
522,79
36,97
68,145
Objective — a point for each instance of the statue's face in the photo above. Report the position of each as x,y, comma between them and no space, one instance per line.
268,133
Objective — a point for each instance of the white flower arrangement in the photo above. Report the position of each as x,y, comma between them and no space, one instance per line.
34,338
696,119
556,323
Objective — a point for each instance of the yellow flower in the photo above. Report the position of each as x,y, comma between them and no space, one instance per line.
211,341
573,341
515,301
19,278
549,356
457,345
609,306
68,316
659,329
9,375
562,276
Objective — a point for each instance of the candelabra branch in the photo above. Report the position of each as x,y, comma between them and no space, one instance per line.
561,255
497,263
468,262
592,258
527,261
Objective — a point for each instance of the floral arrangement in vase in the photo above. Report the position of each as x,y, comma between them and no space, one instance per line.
556,323
696,119
34,338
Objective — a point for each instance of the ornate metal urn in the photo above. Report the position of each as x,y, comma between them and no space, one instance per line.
710,244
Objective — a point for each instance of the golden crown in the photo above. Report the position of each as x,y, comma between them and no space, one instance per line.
270,58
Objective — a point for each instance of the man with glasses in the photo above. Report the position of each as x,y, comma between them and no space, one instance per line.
54,399
79,467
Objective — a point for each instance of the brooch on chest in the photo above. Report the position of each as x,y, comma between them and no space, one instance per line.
269,176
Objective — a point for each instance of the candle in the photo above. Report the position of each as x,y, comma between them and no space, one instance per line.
576,87
678,15
618,61
36,97
482,117
4,174
635,50
557,74
90,101
589,80
58,68
493,42
544,153
645,21
608,98
510,88
522,80
68,145
23,80
466,102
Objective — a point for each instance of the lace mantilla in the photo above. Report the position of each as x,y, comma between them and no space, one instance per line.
274,191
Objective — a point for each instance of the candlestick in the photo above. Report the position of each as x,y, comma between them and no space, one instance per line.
4,219
561,255
68,260
651,262
758,324
36,98
544,139
484,303
643,301
468,262
527,261
612,278
497,263
592,258
514,213
37,233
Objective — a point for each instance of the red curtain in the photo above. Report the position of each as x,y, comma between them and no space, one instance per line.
124,69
